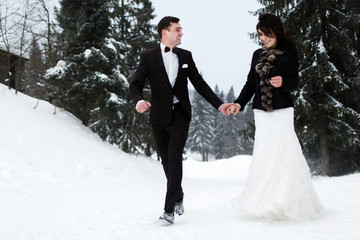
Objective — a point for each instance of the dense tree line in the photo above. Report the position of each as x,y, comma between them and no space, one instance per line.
83,59
213,134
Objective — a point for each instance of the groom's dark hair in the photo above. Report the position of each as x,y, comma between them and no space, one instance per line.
165,23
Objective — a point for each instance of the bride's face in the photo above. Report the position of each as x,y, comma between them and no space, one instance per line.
267,41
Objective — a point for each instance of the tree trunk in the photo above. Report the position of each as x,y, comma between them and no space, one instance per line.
51,58
18,74
9,75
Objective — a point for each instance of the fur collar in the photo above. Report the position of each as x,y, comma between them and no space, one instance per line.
267,61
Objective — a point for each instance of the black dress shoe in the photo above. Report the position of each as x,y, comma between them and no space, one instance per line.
179,207
167,217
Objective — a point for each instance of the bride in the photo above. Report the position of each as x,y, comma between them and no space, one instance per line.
279,184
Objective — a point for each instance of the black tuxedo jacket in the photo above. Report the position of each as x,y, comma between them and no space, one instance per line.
152,67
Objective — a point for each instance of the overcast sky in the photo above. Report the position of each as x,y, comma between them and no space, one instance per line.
217,34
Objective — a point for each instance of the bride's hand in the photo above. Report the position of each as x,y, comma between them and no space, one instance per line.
233,109
276,81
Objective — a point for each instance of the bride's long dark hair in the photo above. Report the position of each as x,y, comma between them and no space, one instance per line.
271,25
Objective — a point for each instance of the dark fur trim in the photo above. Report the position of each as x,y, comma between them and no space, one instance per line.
267,61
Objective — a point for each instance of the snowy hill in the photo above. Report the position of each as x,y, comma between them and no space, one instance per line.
58,180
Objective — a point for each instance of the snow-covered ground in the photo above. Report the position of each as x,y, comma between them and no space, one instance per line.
58,180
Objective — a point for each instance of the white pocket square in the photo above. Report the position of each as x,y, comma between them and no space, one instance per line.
184,65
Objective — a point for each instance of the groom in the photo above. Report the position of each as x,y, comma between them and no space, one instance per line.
168,69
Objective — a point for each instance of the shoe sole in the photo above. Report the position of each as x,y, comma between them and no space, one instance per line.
163,220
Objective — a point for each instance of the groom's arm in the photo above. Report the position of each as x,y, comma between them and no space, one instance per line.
137,85
204,89
201,86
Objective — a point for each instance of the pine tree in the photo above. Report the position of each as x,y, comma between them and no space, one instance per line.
133,28
327,110
201,133
34,77
247,130
233,135
88,81
219,125
232,139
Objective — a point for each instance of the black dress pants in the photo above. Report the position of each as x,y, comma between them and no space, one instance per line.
170,142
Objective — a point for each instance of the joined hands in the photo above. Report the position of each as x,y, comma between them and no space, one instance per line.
230,108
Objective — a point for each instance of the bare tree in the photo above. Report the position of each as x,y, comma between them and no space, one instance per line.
22,27
49,31
8,33
20,23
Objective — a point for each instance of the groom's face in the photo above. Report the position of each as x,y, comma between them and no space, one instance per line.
173,35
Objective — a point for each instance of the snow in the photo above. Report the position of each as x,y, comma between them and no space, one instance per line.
102,77
339,105
59,69
87,53
94,52
58,180
114,98
110,45
321,47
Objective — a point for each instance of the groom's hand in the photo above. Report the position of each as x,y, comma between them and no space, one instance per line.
142,106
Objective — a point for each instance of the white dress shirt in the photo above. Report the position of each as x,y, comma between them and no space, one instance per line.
171,63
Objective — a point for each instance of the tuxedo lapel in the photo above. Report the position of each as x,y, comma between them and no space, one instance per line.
160,65
181,63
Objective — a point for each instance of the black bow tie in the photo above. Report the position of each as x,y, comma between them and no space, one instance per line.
174,50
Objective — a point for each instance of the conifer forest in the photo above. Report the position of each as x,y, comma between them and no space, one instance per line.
82,59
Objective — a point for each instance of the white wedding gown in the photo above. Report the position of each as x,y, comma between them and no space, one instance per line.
278,184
